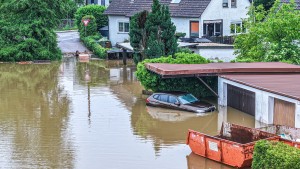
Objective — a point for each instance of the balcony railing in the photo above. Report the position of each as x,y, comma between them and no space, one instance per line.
220,39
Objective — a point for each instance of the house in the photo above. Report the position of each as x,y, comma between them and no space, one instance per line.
98,2
195,18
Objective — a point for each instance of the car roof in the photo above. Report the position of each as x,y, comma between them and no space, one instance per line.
177,93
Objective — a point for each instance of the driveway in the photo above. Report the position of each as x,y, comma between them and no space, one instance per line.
69,42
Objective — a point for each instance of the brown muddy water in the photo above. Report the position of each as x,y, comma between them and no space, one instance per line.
92,115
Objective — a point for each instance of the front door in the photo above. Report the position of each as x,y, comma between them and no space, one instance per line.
194,29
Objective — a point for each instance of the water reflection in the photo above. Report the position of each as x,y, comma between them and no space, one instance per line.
34,114
93,115
198,162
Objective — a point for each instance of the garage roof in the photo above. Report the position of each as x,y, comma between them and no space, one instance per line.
190,70
282,84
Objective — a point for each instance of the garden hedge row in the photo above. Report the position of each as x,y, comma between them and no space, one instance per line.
275,155
154,82
91,43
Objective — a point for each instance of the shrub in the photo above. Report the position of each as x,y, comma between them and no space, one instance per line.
154,82
90,29
94,10
275,155
91,43
184,50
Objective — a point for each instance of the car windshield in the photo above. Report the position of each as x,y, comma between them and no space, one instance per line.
187,98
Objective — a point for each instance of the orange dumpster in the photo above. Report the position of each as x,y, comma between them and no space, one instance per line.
233,146
288,135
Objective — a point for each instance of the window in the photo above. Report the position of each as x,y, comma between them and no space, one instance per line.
163,98
236,28
156,96
225,3
92,2
194,29
212,28
187,99
103,2
233,3
172,99
124,27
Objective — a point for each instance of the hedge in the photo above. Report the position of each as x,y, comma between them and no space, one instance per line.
91,43
154,82
90,29
275,155
96,11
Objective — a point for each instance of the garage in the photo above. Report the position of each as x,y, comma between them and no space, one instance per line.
284,113
241,99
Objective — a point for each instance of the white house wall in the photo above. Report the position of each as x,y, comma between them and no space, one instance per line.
215,11
183,24
113,25
263,101
225,55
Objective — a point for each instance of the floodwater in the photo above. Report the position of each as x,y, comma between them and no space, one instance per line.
92,115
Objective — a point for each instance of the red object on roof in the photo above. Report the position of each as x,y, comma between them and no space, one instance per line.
173,70
282,84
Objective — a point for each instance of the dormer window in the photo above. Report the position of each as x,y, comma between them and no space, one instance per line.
225,4
175,1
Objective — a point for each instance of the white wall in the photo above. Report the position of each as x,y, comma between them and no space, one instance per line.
113,26
215,11
264,106
183,25
225,55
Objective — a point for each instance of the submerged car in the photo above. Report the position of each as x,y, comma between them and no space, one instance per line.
180,101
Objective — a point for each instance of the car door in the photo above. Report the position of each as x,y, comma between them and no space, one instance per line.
172,100
163,100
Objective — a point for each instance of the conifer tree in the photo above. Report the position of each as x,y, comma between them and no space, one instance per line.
138,34
154,46
157,37
168,32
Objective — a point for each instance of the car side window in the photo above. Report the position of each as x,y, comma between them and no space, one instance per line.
172,99
156,96
163,98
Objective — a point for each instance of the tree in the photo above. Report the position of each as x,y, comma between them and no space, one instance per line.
90,29
153,34
267,4
168,33
96,11
272,36
138,34
26,31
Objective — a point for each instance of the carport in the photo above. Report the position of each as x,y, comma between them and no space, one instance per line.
269,91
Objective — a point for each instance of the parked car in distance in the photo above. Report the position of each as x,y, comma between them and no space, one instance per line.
180,101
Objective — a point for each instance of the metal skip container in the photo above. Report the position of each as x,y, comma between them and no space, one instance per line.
233,146
288,135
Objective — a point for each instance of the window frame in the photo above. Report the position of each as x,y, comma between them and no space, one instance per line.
122,24
235,28
175,99
225,4
233,5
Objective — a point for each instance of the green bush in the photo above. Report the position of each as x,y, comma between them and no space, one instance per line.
90,29
91,43
275,155
184,50
154,82
96,11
